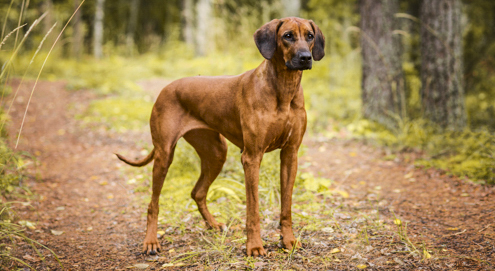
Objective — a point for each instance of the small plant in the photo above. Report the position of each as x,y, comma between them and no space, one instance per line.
11,233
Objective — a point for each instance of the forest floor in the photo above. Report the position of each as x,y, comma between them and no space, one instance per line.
86,211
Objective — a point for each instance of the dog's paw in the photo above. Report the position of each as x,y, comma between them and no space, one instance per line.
222,227
255,248
151,246
289,241
217,226
291,244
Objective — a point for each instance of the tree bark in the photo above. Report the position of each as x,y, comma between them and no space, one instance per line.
188,21
98,29
77,34
442,92
203,21
131,27
383,78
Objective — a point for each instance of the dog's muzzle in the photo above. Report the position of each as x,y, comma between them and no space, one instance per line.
301,61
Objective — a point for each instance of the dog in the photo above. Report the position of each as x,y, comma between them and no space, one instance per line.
258,111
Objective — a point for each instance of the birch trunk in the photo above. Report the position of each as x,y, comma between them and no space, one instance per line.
98,29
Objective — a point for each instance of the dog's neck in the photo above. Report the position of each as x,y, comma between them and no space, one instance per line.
283,81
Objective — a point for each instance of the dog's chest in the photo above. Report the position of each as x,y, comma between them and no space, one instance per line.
280,131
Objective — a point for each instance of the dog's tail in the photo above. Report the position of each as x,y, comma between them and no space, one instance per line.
139,163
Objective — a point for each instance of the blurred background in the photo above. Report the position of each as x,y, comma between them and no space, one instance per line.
407,75
404,100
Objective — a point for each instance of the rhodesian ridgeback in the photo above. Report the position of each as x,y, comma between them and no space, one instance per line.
258,111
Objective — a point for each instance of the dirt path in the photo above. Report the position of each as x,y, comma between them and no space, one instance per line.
83,194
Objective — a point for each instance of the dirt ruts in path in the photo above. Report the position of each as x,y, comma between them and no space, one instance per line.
83,194
77,177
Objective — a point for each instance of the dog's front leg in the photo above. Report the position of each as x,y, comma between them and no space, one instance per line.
251,163
288,171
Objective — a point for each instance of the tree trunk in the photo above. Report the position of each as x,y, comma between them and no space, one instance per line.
442,92
291,8
131,27
98,29
77,34
203,21
383,79
188,21
48,21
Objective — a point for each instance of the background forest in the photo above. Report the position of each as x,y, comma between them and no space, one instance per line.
413,78
109,45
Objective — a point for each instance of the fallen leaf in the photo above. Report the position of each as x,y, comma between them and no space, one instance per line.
60,208
27,224
152,258
160,232
131,181
172,264
54,232
102,183
409,175
335,250
89,228
141,265
327,229
343,193
30,258
361,266
352,154
110,196
426,254
171,251
453,229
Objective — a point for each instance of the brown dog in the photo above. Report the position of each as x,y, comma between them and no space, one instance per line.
259,111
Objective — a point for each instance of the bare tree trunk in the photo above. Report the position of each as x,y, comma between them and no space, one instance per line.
442,92
131,27
203,21
188,21
49,20
291,8
383,78
98,29
77,35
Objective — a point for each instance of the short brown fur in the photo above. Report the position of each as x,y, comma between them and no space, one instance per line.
259,111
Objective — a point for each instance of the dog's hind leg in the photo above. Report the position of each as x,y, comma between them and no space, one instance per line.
212,149
163,159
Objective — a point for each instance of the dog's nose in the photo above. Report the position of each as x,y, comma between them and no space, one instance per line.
304,57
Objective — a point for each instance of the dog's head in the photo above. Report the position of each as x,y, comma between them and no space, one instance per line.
293,39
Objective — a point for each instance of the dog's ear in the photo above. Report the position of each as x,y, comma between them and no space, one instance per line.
319,47
266,38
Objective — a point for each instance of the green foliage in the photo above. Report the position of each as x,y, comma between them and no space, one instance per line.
468,154
119,113
11,165
12,233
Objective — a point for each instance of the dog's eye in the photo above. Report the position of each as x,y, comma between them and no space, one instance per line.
288,36
310,36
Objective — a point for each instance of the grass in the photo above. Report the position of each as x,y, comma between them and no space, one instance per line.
11,163
333,233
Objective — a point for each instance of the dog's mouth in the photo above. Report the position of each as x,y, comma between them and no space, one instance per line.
297,65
